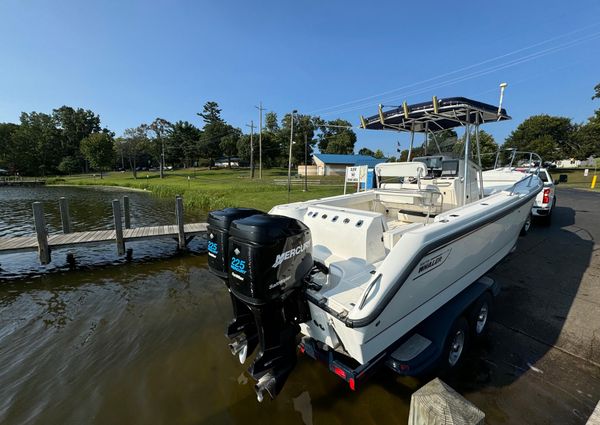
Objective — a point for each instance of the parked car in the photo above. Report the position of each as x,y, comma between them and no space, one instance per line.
546,200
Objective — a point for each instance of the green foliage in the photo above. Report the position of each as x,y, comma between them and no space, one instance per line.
134,143
596,92
554,135
69,165
229,144
379,154
304,129
487,147
7,130
183,144
336,136
98,150
211,113
366,151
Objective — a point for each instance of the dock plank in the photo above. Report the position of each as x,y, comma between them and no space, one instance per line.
58,240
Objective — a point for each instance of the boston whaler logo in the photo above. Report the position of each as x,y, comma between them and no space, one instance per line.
290,253
431,263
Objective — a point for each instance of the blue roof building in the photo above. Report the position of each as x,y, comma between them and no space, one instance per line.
335,164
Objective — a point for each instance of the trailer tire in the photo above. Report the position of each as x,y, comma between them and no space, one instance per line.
526,226
480,315
455,345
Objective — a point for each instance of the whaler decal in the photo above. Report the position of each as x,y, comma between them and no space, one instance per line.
290,253
431,262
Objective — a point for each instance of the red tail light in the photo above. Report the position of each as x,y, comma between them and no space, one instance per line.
339,372
546,198
352,385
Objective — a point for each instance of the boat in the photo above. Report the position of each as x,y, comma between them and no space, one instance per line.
355,274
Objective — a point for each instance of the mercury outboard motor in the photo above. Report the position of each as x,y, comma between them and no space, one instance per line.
242,330
269,258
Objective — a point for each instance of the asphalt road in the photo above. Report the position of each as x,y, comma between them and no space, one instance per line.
541,362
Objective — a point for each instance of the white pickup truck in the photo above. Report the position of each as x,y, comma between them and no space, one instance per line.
546,199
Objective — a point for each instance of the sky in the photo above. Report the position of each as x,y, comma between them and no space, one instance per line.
133,61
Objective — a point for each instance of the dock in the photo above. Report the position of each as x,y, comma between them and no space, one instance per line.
20,181
122,233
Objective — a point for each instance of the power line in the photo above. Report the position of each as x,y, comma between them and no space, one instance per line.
455,71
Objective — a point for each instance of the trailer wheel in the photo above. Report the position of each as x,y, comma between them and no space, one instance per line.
480,315
456,343
526,226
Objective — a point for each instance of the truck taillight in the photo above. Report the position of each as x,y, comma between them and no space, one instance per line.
546,198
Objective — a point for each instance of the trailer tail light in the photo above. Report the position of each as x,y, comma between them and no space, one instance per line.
351,383
546,198
339,372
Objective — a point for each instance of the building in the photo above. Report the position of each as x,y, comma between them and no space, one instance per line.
326,164
575,163
224,162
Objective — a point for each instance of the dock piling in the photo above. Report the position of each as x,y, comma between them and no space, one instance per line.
41,232
118,227
436,403
180,228
65,217
126,212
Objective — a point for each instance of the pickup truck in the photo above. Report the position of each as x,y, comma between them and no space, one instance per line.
546,199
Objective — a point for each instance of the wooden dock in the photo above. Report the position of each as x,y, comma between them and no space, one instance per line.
44,243
30,243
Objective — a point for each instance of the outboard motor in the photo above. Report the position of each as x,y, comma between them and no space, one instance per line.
243,325
269,257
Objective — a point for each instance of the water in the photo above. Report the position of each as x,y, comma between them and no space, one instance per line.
143,342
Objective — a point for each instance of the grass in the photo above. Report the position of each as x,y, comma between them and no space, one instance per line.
214,189
576,178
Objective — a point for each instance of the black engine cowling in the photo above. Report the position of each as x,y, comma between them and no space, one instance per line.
268,259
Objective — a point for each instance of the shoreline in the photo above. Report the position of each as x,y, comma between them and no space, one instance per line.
131,189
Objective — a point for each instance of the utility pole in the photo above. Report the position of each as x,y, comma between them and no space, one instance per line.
251,148
260,128
305,161
290,158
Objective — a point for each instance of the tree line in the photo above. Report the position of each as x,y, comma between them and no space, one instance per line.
72,140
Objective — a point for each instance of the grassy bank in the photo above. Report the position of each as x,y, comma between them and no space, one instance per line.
214,189
576,178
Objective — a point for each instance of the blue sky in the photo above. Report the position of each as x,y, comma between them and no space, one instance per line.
131,61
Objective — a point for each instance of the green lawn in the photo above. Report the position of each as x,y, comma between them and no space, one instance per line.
575,178
214,189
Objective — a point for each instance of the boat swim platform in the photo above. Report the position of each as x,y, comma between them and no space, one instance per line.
30,243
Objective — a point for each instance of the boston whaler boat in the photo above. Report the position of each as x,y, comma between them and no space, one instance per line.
389,276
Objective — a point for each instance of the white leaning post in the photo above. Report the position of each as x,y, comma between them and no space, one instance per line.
437,404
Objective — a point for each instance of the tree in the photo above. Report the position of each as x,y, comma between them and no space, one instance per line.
98,149
555,135
161,129
596,92
74,126
366,151
336,136
183,144
211,113
135,142
304,126
588,137
37,144
69,165
229,144
379,154
7,130
487,147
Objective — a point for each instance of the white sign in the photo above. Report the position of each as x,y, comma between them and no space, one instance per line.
352,174
586,172
356,174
